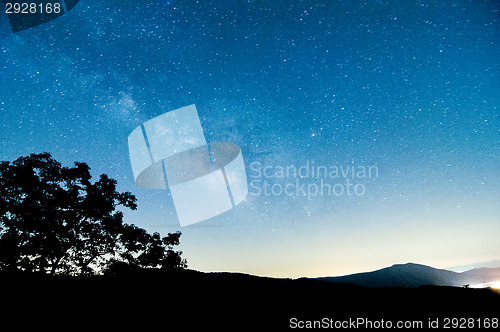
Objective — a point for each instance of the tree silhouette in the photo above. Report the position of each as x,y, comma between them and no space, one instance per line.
138,249
54,220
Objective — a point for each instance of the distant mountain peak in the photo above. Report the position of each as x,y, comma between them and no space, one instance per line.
414,265
416,275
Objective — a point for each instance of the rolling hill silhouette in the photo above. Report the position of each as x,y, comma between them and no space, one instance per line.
416,275
462,268
188,299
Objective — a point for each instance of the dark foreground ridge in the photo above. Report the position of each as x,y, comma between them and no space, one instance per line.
190,299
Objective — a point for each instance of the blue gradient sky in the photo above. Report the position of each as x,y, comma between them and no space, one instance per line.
409,86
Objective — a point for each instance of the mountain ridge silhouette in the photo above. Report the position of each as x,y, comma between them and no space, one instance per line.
462,268
189,298
417,275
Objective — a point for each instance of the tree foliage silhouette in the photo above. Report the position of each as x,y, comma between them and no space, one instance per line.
138,249
54,220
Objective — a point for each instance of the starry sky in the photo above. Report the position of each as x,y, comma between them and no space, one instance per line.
409,87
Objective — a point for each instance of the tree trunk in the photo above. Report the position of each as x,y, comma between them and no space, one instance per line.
55,265
86,263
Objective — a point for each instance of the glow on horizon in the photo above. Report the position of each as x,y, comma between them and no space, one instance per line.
316,248
493,285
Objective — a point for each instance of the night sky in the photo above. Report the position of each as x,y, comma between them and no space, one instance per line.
410,88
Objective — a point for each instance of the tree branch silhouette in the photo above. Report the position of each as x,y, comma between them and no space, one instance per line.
53,219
